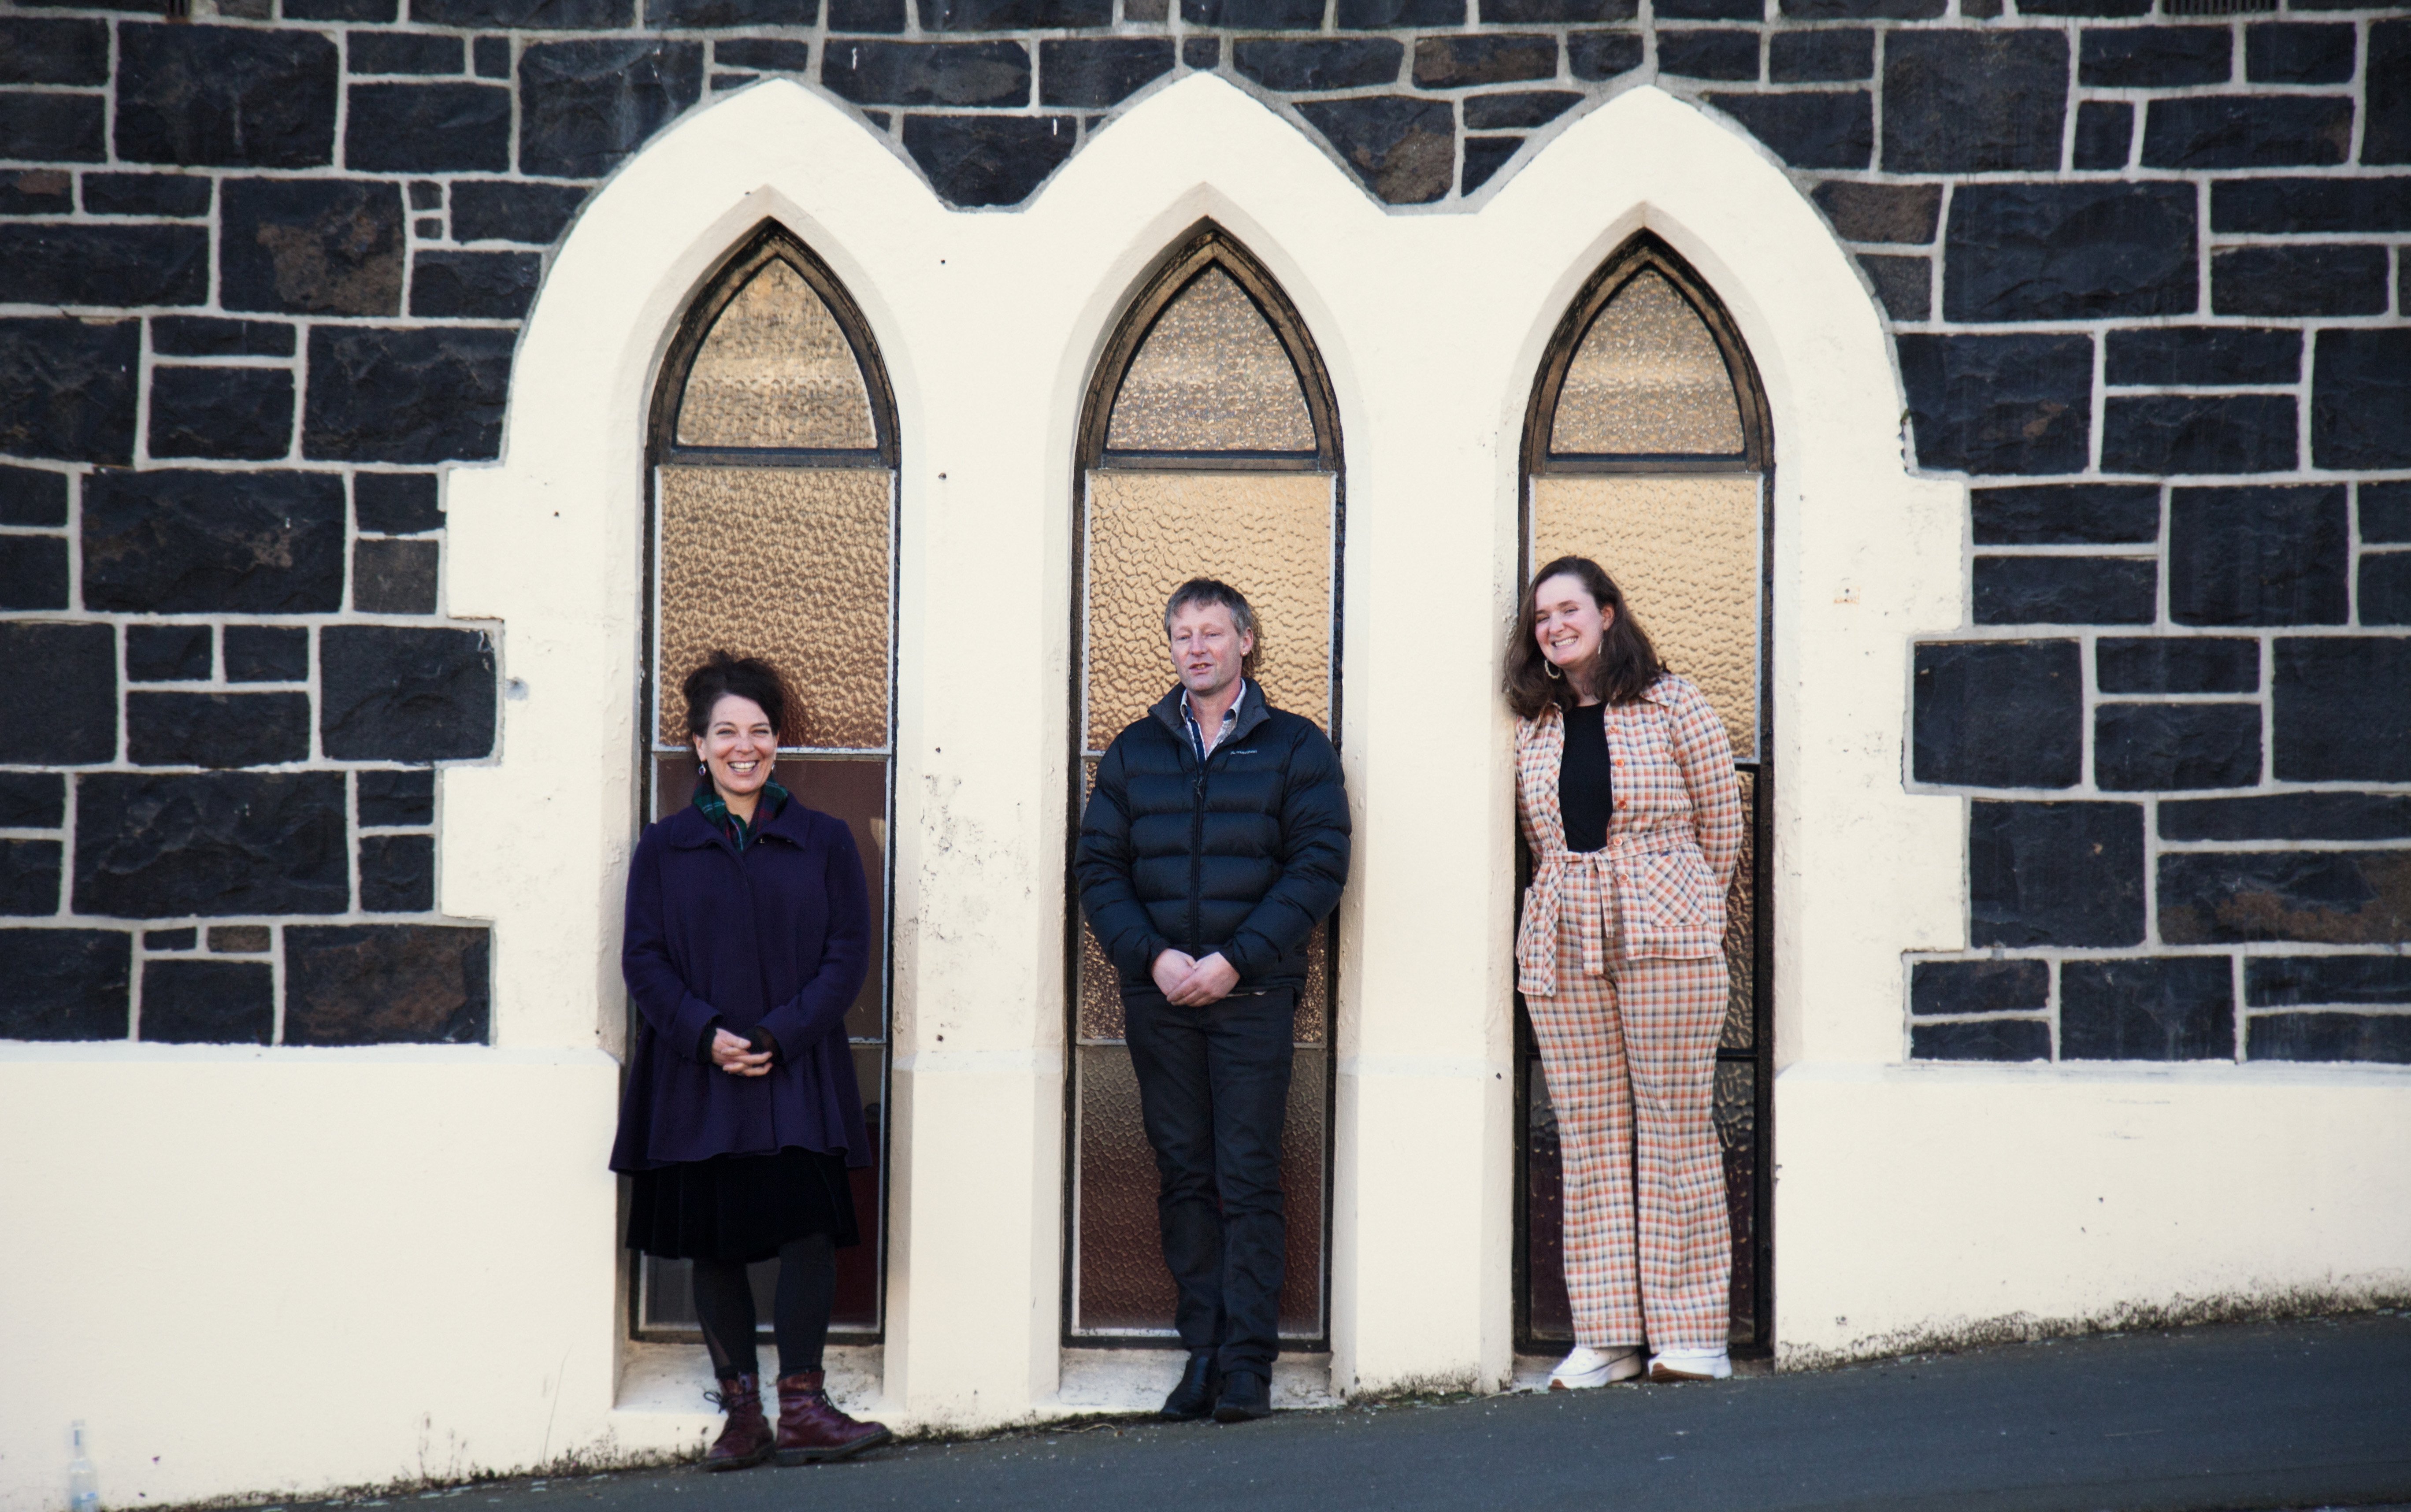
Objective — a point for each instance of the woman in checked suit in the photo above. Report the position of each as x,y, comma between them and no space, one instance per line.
1626,793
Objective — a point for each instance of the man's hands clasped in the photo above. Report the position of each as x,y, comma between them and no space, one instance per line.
1189,983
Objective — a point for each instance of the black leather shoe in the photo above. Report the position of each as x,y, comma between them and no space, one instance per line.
1193,1398
1246,1396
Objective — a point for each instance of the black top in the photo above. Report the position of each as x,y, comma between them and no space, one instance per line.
1586,789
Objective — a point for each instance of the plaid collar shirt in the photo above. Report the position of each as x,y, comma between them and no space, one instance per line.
1197,737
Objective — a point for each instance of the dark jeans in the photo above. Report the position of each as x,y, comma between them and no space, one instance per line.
1213,1086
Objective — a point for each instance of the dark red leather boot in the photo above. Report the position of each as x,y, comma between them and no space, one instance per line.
747,1440
810,1428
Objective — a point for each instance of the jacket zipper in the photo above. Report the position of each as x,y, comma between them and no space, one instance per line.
1197,859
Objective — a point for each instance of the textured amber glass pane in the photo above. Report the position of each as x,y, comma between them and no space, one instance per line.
785,563
1736,1117
776,372
1267,534
1123,1286
1314,1025
1210,377
1647,378
1685,552
1740,929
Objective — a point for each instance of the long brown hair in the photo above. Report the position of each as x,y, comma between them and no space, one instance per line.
1622,671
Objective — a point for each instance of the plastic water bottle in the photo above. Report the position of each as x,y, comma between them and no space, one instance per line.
83,1482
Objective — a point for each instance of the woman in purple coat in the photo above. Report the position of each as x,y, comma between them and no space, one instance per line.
747,938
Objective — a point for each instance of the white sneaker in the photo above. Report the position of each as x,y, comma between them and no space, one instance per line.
1587,1367
1691,1365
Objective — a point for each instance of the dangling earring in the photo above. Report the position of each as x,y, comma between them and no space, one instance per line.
1555,676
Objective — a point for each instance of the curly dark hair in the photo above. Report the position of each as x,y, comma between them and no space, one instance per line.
724,673
1625,667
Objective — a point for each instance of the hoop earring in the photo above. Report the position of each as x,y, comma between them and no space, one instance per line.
1551,668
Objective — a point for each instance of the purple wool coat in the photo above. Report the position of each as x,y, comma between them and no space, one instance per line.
778,937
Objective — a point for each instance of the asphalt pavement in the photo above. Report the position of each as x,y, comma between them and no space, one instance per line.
2295,1415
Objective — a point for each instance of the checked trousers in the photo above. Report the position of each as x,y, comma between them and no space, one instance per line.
1630,1061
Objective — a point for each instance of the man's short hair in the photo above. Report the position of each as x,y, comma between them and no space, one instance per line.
1202,592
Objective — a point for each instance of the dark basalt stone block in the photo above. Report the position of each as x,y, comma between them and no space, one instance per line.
2386,588
312,247
526,15
2065,591
397,799
428,128
65,983
2329,1037
2105,134
396,504
2360,398
240,940
400,52
1012,15
56,128
2161,747
36,192
1809,128
767,54
389,693
168,846
1981,1040
218,729
1404,150
33,800
2300,206
1095,72
2292,52
228,414
59,684
928,73
2176,664
2198,433
386,984
1897,212
160,941
475,285
2070,251
176,541
1999,404
1717,53
1306,63
359,10
2318,980
2342,709
207,1002
206,336
1999,714
67,388
1255,15
2170,355
33,572
2273,555
1904,285
2386,124
1368,15
29,878
1201,51
2164,1007
2075,514
267,653
2247,131
397,874
2154,57
1483,157
1820,56
2291,816
224,96
1709,9
586,105
536,213
41,51
1863,9
1495,58
882,16
2337,898
2316,280
105,265
2056,874
394,577
700,14
1595,55
987,160
1974,102
1518,111
2385,513
379,394
1549,12
168,653
1978,986
33,496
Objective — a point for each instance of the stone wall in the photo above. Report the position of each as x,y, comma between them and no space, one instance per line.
259,280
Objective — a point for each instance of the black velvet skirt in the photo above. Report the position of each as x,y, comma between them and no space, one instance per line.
741,1207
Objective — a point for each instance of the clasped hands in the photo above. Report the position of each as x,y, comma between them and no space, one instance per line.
1189,983
736,1055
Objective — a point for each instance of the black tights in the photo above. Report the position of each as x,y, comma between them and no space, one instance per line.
724,1304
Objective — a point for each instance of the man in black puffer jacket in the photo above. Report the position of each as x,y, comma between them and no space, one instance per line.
1214,844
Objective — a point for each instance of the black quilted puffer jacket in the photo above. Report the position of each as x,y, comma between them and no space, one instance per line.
1245,856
